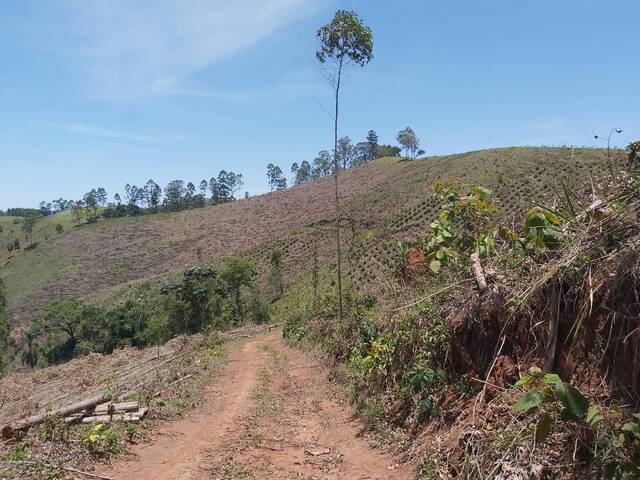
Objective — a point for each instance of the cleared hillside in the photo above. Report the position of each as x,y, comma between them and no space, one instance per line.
384,200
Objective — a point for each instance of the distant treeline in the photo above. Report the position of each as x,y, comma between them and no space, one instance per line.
150,198
20,212
349,156
178,195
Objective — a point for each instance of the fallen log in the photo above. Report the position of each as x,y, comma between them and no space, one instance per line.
104,409
121,417
116,407
9,429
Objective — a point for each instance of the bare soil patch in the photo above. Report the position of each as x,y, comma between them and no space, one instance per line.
272,413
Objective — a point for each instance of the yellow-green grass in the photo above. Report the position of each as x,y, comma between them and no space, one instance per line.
43,230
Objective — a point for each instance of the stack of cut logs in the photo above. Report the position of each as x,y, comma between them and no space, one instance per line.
92,410
109,412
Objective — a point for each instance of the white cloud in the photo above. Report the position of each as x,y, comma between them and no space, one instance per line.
132,48
101,132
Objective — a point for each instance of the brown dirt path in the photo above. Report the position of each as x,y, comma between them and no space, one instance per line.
271,414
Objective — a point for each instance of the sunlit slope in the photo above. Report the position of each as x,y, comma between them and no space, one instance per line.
383,200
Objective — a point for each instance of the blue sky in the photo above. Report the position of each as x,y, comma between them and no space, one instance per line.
105,92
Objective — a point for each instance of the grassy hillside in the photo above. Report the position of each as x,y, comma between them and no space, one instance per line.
384,200
45,229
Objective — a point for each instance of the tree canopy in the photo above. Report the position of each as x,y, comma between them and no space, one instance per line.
409,141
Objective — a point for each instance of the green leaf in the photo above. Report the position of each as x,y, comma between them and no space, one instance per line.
552,217
593,416
543,427
536,220
530,400
482,192
548,394
573,401
552,378
523,381
435,266
632,427
567,416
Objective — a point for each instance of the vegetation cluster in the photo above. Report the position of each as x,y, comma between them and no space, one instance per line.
203,298
480,332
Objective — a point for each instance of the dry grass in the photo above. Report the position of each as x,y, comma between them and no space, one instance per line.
125,371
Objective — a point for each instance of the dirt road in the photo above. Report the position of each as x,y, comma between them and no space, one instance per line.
271,414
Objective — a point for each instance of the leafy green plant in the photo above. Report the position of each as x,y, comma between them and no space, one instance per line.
421,377
54,429
617,445
427,407
379,356
130,430
102,440
462,225
551,398
17,453
541,230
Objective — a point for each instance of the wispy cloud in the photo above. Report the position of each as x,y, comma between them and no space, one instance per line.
100,132
290,85
132,48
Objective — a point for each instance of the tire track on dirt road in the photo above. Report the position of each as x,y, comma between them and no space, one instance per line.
270,414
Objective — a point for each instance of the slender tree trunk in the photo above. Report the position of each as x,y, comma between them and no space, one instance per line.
335,177
316,271
238,304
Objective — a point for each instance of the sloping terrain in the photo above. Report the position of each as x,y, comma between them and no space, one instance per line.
30,393
383,200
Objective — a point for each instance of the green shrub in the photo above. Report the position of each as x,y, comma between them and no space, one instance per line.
102,440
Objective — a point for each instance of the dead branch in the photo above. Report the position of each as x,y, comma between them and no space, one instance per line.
431,295
182,379
479,272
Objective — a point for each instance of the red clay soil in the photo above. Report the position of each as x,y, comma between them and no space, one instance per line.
272,413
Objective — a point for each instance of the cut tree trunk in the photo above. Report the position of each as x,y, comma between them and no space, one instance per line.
119,417
10,429
478,270
117,407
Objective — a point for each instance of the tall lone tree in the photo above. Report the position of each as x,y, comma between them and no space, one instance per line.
372,143
276,177
409,141
343,41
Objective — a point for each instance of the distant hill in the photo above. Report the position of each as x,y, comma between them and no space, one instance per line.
384,200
